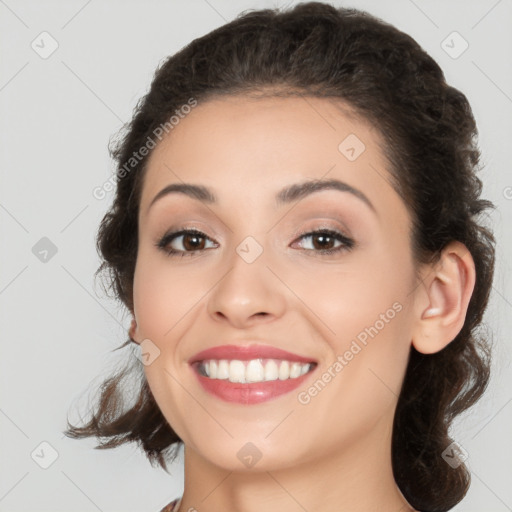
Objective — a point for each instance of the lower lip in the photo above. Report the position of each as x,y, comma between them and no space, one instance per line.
251,393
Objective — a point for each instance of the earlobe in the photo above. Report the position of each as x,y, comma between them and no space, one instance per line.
443,299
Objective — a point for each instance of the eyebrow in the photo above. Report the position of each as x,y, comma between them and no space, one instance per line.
285,196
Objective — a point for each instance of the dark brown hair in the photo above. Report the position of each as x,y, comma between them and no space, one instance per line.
315,49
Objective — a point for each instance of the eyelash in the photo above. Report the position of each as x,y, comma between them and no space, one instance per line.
347,243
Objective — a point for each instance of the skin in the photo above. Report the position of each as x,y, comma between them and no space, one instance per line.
333,453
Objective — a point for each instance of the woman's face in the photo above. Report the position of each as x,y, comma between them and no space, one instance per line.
256,277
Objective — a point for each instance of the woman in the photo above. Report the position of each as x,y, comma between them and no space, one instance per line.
296,236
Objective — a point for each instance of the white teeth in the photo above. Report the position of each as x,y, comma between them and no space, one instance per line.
255,370
236,371
295,370
213,369
284,370
271,370
222,370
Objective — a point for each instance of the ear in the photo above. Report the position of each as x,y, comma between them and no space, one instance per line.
441,302
133,331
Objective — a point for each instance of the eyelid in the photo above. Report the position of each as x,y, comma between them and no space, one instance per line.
312,225
324,223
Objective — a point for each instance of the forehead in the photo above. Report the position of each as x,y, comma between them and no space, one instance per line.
255,146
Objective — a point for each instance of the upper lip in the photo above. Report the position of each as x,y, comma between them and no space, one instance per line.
247,352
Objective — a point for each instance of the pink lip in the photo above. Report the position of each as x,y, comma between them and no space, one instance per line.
254,392
245,353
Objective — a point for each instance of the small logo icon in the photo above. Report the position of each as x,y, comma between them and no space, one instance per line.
454,45
44,250
455,455
44,45
249,249
249,455
351,147
148,352
44,455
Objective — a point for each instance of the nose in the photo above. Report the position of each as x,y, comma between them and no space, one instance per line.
248,294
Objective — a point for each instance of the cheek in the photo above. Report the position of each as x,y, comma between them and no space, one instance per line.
362,311
352,295
374,331
163,299
163,295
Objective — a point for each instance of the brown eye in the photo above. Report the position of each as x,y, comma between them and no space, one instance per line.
324,240
184,242
192,242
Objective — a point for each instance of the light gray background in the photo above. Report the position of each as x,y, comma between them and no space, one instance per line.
58,330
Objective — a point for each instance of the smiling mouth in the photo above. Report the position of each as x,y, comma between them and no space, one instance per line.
252,381
250,374
253,370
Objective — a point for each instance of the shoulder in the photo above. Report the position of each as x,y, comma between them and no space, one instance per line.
170,507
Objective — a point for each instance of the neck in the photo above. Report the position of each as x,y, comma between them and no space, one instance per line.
358,478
